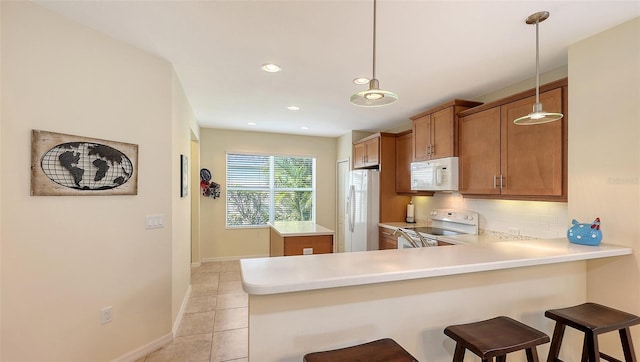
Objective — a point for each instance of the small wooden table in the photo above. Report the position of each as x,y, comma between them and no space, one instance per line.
299,238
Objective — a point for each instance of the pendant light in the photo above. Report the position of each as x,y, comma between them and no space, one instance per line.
374,96
538,116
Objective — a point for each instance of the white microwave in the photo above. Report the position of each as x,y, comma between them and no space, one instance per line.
435,175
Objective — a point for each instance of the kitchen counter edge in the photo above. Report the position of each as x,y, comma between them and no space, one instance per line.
262,276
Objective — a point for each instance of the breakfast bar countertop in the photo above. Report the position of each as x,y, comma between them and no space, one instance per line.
311,272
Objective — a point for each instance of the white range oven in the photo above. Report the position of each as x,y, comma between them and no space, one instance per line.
444,222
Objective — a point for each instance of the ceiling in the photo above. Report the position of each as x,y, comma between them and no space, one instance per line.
428,52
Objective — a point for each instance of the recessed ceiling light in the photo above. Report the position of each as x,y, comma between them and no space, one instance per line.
271,68
360,81
251,123
304,127
293,108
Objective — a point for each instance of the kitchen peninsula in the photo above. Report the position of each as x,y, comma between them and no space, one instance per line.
288,238
319,302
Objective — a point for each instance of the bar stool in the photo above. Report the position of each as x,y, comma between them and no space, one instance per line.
592,319
495,337
382,350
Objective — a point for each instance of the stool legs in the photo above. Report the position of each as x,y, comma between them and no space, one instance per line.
627,345
458,356
532,354
590,349
556,342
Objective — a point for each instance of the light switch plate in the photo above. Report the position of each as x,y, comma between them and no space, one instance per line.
154,221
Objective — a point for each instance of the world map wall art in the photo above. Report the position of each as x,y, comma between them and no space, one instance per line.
69,165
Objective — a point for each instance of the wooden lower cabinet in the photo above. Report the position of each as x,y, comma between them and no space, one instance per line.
295,245
386,239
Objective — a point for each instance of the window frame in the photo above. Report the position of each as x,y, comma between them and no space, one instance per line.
271,189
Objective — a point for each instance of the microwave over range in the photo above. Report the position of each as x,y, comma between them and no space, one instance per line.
435,175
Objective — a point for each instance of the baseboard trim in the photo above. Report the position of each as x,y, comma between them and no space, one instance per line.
185,301
146,349
160,342
231,258
195,265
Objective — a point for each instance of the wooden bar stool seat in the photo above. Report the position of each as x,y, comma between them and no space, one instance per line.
382,350
495,337
593,319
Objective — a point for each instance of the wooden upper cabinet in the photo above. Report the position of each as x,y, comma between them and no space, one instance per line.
443,129
532,155
504,160
404,157
404,144
359,151
366,153
421,137
479,160
435,132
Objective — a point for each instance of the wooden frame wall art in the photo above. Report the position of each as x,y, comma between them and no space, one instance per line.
68,165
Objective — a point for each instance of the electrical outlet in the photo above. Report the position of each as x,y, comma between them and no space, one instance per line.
307,251
106,315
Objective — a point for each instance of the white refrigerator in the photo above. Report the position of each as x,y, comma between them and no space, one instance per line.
362,210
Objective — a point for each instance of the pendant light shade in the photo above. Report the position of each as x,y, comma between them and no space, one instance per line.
538,116
374,96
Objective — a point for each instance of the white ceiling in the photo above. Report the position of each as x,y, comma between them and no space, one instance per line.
428,52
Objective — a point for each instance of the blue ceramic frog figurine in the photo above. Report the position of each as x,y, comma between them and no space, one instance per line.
585,234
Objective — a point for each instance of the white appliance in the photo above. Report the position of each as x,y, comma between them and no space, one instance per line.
362,210
435,175
444,223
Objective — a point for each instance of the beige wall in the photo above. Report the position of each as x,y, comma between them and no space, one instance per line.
184,128
218,243
526,84
65,258
604,157
1,167
345,143
195,203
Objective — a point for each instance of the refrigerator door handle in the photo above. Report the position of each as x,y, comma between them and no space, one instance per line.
351,205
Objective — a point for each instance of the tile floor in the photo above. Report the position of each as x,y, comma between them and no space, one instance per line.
214,324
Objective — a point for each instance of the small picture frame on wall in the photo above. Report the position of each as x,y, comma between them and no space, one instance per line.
184,176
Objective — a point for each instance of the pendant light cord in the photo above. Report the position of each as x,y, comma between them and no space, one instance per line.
374,39
537,64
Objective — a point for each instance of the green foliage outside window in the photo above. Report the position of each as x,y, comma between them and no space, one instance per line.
263,189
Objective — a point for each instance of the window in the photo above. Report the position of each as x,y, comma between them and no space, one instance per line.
263,188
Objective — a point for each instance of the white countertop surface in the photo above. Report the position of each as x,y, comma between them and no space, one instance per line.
300,228
310,272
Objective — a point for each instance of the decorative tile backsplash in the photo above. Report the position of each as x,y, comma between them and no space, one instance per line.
514,219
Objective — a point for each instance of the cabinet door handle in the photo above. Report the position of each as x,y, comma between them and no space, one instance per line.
385,233
503,182
495,182
433,149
